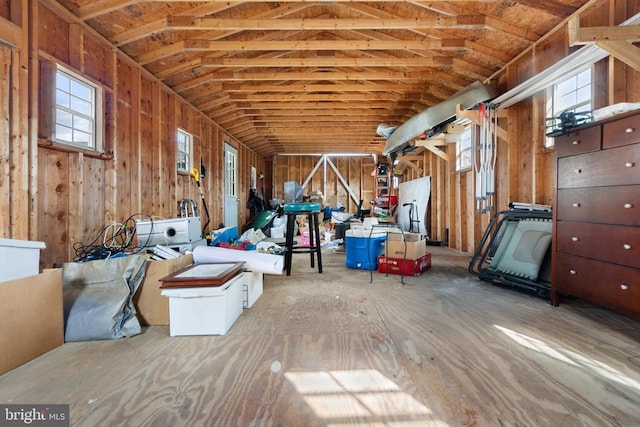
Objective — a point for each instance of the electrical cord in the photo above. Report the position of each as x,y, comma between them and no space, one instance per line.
117,239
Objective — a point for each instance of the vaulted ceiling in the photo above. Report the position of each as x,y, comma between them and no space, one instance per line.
318,77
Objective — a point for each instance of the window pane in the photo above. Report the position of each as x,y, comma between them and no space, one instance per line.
82,138
80,106
64,118
62,98
583,95
80,90
566,86
82,124
566,101
584,78
63,82
64,133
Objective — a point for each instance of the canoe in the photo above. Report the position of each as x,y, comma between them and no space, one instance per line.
437,115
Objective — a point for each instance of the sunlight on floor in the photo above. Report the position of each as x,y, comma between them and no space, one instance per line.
364,395
571,358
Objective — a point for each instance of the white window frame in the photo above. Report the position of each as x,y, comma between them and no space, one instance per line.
464,150
569,95
184,151
69,119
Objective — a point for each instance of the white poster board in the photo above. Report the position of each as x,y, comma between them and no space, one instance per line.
415,192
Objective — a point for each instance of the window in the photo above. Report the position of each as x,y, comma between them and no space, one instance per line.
184,151
570,95
230,183
76,118
464,150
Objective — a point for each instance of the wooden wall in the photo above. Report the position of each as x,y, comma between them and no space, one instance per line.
78,193
357,172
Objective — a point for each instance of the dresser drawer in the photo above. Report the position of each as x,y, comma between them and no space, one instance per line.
622,132
611,243
608,205
617,166
578,142
610,285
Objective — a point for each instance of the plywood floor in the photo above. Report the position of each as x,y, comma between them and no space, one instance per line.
333,349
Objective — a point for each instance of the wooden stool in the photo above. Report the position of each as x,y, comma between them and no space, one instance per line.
311,210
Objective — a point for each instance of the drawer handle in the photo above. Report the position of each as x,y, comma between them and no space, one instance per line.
628,205
629,165
576,205
577,170
576,142
629,130
573,272
626,246
624,287
574,239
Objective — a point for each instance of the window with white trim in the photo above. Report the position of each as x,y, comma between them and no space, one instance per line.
464,149
570,95
76,119
184,151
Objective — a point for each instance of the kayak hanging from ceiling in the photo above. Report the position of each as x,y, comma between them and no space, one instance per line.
434,117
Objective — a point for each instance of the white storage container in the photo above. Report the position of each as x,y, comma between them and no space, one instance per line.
207,310
253,283
19,258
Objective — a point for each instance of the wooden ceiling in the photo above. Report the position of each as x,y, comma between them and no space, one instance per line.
318,77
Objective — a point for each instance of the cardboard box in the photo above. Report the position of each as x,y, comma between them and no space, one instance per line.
395,246
19,258
207,310
31,316
152,308
408,267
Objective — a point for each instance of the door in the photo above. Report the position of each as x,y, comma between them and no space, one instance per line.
230,186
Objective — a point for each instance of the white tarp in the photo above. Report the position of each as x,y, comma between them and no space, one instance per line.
418,191
254,260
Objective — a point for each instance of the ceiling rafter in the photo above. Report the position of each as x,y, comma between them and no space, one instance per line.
290,75
187,23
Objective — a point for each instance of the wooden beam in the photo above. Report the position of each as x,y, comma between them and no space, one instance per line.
586,35
196,23
326,62
306,88
406,162
625,52
437,151
287,45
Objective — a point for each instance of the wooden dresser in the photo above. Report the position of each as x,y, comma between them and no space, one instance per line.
596,215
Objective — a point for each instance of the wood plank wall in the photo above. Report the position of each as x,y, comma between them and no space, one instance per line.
356,171
79,193
62,197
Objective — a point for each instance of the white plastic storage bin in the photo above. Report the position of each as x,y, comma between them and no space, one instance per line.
207,310
19,258
253,287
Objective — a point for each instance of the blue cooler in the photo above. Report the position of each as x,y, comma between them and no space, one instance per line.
363,252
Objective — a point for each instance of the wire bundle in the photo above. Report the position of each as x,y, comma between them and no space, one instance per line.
117,240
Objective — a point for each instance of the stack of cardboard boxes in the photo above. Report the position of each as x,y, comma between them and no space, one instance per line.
405,254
